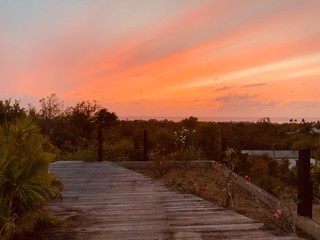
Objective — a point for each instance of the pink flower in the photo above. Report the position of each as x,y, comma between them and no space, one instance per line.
278,213
202,188
247,177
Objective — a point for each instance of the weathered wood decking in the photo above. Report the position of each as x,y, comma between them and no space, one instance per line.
104,201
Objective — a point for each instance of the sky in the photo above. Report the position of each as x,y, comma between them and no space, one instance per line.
165,58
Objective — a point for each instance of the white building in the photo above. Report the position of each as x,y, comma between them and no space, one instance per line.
292,155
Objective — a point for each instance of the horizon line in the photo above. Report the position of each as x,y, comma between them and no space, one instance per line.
223,119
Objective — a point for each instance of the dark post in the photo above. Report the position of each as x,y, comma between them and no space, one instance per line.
304,184
145,145
100,156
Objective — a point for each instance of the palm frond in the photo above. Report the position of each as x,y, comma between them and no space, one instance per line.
25,184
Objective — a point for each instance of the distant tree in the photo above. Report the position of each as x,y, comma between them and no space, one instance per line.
165,139
210,140
190,123
103,119
32,112
10,111
81,119
51,108
264,120
303,141
85,108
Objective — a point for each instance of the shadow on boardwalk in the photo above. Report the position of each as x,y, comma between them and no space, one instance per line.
104,201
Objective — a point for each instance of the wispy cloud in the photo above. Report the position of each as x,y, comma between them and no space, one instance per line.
223,88
235,98
242,105
163,52
254,85
304,104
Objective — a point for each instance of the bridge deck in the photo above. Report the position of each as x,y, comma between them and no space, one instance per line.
104,201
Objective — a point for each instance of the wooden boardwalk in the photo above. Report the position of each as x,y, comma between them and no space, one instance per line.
104,201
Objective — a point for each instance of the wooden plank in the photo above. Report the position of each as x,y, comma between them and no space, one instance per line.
105,201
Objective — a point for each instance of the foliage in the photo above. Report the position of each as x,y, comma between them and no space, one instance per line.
315,175
266,178
122,150
75,129
67,129
259,165
166,141
234,158
25,184
187,141
186,137
51,107
104,118
188,153
49,115
161,164
189,123
80,120
210,141
87,153
74,134
227,179
270,184
281,216
274,177
10,111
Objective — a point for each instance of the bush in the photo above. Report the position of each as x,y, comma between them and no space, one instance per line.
25,182
316,179
161,164
188,153
87,154
271,184
119,151
259,165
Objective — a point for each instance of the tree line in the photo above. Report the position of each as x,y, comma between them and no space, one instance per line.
73,133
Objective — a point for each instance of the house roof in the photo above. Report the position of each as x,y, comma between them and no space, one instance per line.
277,154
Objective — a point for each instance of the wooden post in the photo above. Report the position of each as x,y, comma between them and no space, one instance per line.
145,145
100,155
304,184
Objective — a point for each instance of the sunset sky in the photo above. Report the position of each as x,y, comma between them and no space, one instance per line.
205,58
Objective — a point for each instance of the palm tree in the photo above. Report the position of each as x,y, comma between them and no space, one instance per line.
25,183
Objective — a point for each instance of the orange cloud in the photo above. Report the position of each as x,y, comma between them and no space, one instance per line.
198,60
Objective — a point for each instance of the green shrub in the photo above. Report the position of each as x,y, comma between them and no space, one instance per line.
119,151
259,165
316,179
188,153
271,184
161,164
166,139
25,182
87,154
122,150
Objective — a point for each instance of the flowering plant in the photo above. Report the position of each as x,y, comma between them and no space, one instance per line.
278,213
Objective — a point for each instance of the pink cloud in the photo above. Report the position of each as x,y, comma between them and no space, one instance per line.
155,64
